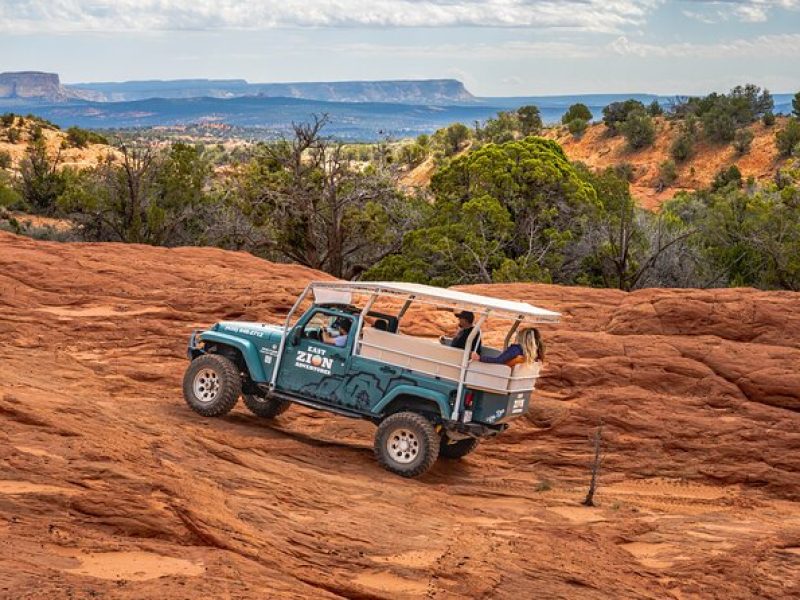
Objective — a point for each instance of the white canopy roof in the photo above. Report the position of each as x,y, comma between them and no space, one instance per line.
496,307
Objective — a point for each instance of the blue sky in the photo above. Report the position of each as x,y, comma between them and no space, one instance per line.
496,47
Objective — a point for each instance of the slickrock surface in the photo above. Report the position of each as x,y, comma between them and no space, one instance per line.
110,487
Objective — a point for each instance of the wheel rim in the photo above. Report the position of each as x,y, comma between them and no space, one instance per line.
206,385
403,446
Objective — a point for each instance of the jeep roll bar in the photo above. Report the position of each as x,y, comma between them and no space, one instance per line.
518,312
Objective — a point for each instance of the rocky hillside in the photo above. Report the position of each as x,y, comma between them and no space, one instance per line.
57,142
597,149
111,487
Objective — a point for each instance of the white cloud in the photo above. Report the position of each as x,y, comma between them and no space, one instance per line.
746,11
764,46
34,16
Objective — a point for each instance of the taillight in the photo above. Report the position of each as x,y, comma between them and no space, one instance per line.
468,399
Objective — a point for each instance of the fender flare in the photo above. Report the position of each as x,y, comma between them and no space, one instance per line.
430,396
247,349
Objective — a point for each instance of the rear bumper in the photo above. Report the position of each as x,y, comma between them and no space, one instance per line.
476,430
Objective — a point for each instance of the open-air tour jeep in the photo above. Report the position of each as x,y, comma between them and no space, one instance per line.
427,399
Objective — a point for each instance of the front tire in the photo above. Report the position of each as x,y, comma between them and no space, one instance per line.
457,449
268,408
212,385
406,444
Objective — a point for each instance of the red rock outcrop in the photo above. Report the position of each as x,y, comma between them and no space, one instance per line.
111,487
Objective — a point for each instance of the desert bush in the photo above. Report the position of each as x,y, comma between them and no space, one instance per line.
5,159
667,173
504,127
412,154
625,171
742,141
577,127
577,111
13,135
450,139
682,147
719,123
768,119
41,182
726,177
654,109
80,138
788,137
530,120
7,119
616,113
9,197
638,130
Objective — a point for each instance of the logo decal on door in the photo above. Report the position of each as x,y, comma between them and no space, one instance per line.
313,360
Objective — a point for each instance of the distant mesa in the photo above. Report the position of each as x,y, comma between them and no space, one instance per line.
46,87
35,85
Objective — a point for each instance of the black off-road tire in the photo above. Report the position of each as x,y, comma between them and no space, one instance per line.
406,444
269,408
457,449
212,385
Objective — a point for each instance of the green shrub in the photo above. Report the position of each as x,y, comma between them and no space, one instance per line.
577,127
36,132
742,141
5,159
768,119
667,173
80,138
530,120
625,171
726,177
616,113
796,105
788,137
719,124
654,109
682,147
7,119
638,130
577,111
13,135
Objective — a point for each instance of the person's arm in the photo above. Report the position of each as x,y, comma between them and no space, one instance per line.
506,355
460,339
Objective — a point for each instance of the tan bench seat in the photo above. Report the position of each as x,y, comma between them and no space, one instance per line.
431,357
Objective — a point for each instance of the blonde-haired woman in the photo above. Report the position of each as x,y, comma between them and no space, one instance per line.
528,349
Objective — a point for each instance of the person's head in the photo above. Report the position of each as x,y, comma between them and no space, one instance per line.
532,345
465,319
344,326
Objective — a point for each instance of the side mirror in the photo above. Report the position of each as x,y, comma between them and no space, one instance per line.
295,337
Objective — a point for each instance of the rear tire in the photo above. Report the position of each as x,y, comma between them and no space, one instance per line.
268,408
212,385
406,444
457,449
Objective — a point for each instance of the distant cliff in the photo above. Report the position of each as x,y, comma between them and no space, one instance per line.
425,91
35,85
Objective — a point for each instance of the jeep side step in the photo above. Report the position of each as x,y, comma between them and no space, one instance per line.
339,410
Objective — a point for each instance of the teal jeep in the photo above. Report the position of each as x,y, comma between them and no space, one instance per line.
427,398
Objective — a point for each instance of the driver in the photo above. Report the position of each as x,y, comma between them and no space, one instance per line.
343,329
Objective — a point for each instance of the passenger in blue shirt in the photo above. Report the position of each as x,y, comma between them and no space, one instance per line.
528,349
340,341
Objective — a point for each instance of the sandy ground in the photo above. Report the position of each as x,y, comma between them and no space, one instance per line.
110,487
